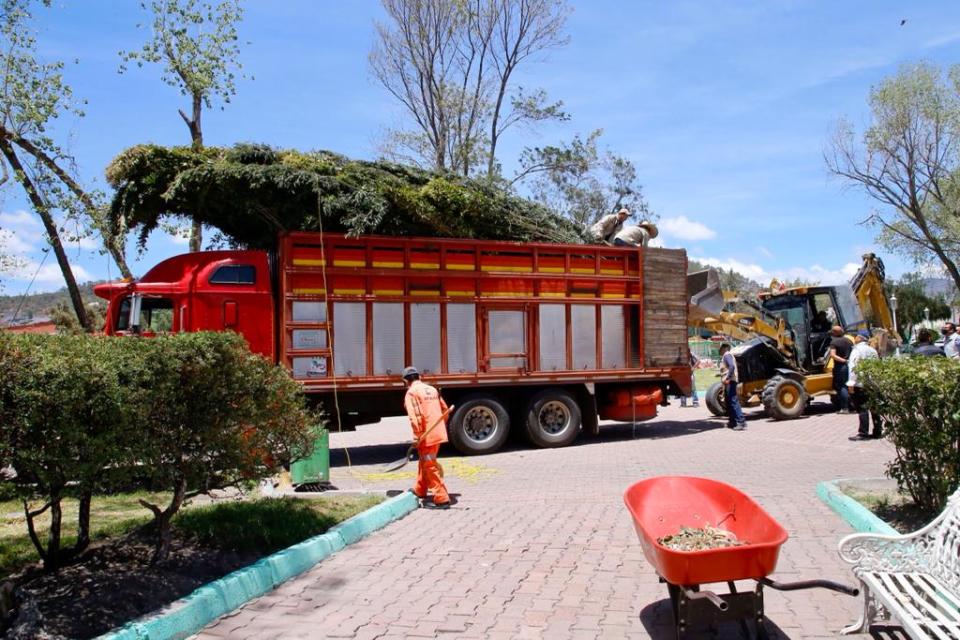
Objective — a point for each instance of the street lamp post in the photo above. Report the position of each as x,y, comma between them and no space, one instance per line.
926,313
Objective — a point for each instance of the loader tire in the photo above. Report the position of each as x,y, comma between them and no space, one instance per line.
715,400
784,399
553,418
480,424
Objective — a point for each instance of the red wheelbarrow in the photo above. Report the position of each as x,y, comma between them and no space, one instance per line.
661,506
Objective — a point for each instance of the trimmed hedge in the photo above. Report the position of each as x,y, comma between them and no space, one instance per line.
186,413
918,399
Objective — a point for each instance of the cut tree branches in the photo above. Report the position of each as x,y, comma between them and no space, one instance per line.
251,192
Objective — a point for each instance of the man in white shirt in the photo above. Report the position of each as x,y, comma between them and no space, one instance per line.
858,397
636,236
607,227
951,340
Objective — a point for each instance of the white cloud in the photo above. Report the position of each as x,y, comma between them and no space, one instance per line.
685,229
48,274
22,232
762,275
766,253
753,271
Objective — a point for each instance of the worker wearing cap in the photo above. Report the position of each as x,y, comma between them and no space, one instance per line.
425,408
606,228
636,235
858,397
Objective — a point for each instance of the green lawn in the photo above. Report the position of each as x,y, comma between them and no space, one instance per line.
264,525
705,378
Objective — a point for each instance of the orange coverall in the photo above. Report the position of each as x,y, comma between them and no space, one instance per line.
424,407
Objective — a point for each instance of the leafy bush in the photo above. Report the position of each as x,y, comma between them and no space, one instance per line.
211,415
187,413
919,402
64,421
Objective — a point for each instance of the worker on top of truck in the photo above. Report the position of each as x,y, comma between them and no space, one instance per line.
606,228
426,410
636,235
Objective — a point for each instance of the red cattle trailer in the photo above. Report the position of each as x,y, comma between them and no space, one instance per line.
544,337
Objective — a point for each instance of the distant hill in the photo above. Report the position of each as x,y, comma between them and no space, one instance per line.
939,287
36,307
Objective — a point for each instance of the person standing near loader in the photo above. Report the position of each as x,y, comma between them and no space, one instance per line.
840,348
425,408
730,377
858,396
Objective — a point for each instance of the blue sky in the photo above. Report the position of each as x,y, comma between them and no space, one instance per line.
724,107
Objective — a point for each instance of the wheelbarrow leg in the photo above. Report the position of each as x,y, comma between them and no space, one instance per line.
744,628
761,628
679,603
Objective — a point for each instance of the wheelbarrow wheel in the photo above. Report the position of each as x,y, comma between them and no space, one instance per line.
715,399
784,399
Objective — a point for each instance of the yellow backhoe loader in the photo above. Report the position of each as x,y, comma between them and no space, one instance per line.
783,358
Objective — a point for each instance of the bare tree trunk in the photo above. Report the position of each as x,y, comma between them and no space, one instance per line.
196,137
112,242
83,522
53,235
163,518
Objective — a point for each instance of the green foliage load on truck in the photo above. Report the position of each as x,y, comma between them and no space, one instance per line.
251,192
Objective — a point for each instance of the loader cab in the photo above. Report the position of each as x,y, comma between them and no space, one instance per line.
810,312
203,291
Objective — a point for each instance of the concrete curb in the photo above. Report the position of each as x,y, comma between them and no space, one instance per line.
188,615
854,513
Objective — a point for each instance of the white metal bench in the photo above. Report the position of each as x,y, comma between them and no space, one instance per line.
914,578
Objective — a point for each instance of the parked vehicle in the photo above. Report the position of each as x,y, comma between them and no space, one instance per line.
541,337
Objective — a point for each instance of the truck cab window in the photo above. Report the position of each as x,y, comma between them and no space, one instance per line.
234,274
156,315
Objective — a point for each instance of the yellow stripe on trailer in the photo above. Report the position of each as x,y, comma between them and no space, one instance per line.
309,291
309,262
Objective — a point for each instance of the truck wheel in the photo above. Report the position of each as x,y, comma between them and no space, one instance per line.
715,399
479,425
784,399
553,419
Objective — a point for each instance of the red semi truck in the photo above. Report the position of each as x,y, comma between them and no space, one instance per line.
542,337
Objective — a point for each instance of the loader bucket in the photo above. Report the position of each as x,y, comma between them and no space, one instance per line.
706,297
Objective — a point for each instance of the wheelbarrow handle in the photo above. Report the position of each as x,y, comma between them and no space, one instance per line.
810,584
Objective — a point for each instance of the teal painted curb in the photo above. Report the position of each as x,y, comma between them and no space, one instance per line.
854,513
188,615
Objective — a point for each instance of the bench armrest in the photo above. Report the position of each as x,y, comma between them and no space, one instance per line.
873,552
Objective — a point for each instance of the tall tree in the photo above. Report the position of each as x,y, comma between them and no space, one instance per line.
196,42
908,160
450,65
34,95
580,180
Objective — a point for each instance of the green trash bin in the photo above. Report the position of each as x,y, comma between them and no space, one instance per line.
314,469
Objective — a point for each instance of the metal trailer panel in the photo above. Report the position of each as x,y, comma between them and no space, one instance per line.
461,338
309,367
425,336
309,311
350,338
309,339
553,337
583,325
507,335
388,332
612,332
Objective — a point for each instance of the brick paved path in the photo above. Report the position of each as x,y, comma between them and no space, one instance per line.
540,544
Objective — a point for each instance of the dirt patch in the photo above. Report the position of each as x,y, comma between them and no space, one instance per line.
112,584
885,501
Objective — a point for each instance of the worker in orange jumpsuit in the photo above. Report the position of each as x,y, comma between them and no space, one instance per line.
425,408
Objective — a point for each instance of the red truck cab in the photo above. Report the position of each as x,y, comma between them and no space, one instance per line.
208,291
